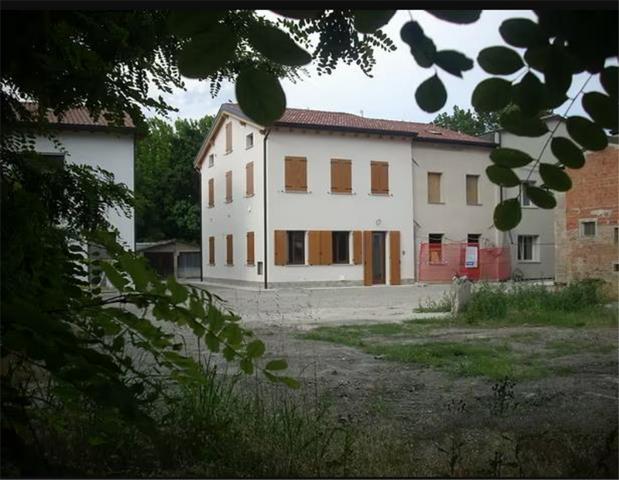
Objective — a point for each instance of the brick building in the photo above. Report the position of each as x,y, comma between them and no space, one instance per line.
587,219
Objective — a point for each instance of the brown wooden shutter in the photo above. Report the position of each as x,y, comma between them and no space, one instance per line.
211,192
379,177
229,186
394,257
281,255
229,251
367,258
374,173
313,238
250,248
211,250
434,187
249,179
326,247
335,176
295,173
341,176
472,182
357,242
347,176
228,137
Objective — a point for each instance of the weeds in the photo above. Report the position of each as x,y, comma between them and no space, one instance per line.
428,305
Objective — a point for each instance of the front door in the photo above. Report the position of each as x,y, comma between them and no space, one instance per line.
378,258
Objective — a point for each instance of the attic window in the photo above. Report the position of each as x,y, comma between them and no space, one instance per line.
435,132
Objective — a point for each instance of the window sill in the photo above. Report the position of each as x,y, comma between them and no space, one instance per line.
296,191
250,195
227,201
297,265
250,264
211,206
438,264
342,193
229,264
228,152
474,204
529,261
436,203
211,264
376,194
249,148
530,207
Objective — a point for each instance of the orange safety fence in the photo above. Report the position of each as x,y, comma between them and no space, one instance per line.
440,262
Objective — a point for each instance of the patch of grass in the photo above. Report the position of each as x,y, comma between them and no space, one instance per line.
428,305
525,337
576,346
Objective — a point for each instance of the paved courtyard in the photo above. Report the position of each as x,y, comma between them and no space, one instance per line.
308,307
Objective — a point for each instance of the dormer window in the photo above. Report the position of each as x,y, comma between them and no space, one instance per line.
249,141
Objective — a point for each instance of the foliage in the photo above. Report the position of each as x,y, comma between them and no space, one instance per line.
467,121
443,304
167,187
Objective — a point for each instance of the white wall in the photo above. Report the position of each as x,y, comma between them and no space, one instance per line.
319,209
111,151
243,214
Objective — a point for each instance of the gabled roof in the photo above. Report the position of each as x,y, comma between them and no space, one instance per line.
80,117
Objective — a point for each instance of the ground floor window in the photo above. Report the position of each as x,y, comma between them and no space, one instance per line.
588,228
296,247
473,238
341,248
435,241
528,248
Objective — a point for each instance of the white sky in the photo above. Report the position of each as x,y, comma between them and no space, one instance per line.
390,92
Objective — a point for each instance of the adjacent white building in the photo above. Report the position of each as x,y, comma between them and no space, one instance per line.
328,198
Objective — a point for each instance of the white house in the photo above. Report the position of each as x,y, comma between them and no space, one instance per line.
94,142
333,199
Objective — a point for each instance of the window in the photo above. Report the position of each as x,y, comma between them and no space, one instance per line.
296,247
229,250
525,201
211,250
616,235
472,189
435,241
228,186
341,176
588,228
434,187
528,248
228,137
211,160
249,179
249,140
380,177
295,173
616,267
341,248
211,192
250,248
473,238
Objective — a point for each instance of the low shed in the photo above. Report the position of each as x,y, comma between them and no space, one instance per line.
172,257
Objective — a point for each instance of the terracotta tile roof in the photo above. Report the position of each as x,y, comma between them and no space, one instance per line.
348,121
80,116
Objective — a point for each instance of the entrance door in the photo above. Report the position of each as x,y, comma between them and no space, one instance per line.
378,258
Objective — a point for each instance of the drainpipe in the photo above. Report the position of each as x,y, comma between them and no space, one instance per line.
264,196
201,231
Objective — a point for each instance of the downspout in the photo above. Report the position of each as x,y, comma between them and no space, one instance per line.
264,197
415,272
201,230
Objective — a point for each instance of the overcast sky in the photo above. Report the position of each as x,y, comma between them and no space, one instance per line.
390,92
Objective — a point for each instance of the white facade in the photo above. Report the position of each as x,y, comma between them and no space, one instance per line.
109,150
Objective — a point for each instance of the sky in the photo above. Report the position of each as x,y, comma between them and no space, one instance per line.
389,94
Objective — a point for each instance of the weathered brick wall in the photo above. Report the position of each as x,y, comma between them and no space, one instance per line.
594,196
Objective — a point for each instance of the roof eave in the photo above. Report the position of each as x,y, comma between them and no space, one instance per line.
393,133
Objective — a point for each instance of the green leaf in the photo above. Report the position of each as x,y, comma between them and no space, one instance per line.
229,353
422,48
116,279
279,364
299,14
529,94
589,135
522,32
500,60
502,176
277,45
514,121
507,214
457,16
567,152
431,94
204,54
492,95
609,79
602,109
289,382
178,292
255,349
260,95
184,24
540,197
510,157
453,62
212,342
368,21
247,366
554,177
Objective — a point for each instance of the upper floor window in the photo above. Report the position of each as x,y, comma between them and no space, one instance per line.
434,187
211,192
341,181
249,140
588,228
379,177
472,189
211,160
525,201
249,179
228,186
228,137
295,174
528,248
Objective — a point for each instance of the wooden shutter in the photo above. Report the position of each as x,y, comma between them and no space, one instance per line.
229,186
434,187
379,177
250,248
367,258
313,238
228,137
295,173
357,241
341,178
472,184
229,251
249,179
211,192
326,247
394,257
280,247
211,250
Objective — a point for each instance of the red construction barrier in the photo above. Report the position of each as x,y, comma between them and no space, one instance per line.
440,262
